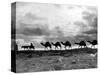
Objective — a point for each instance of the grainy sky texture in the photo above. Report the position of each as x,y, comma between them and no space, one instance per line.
36,22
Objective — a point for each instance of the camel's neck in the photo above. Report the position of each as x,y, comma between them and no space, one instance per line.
43,44
63,43
53,43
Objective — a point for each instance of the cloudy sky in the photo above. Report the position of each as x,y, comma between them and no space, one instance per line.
37,22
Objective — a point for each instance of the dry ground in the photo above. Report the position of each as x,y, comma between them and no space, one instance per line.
27,63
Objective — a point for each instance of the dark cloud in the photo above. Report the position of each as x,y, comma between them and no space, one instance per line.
71,7
93,8
85,37
87,34
92,31
74,6
57,5
57,32
91,18
35,31
95,22
81,25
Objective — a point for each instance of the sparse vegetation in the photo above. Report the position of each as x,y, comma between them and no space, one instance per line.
34,61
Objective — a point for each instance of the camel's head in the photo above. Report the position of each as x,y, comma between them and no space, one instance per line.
41,42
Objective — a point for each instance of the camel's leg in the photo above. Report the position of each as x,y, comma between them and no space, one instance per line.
55,47
60,48
69,47
65,47
50,48
45,48
78,46
91,46
85,46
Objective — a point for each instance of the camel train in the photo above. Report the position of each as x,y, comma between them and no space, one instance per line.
58,45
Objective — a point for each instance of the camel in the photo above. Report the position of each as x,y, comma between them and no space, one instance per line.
31,46
46,45
28,46
94,42
67,43
25,47
57,44
81,44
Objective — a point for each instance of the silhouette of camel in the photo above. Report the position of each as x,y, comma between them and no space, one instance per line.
67,43
94,42
57,44
46,45
81,44
31,46
25,47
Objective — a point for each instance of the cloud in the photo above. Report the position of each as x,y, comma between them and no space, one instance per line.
33,17
95,22
82,25
57,5
30,18
91,18
35,31
85,37
91,32
54,22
